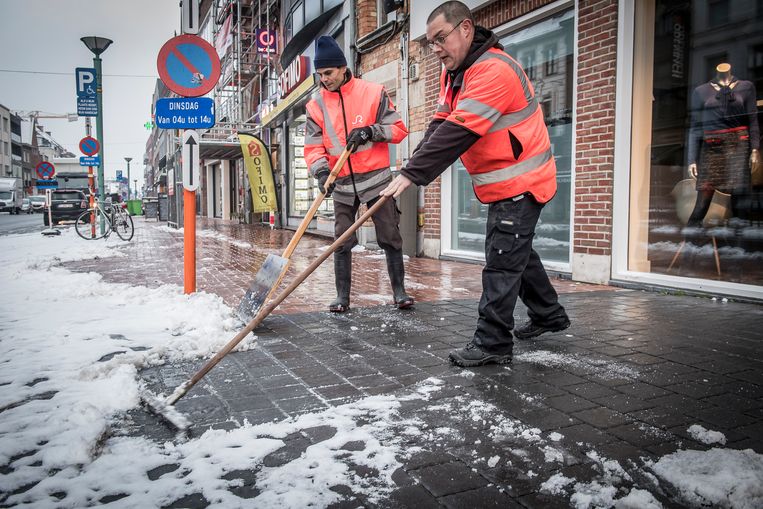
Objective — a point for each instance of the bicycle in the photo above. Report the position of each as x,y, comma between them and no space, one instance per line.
114,216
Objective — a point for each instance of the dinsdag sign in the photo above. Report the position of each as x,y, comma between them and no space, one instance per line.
293,75
295,96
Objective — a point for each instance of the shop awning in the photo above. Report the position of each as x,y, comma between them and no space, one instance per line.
219,149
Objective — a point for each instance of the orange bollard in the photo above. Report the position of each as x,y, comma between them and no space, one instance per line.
189,241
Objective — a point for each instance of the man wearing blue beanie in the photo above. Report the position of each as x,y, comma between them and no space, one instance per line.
350,112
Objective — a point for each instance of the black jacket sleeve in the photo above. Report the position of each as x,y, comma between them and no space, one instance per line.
443,143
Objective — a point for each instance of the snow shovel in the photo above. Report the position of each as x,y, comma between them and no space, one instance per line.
165,407
273,270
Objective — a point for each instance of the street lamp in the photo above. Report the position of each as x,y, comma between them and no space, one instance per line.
128,159
98,45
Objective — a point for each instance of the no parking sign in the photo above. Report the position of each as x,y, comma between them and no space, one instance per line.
188,65
45,170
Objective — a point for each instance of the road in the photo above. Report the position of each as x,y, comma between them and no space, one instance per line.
22,223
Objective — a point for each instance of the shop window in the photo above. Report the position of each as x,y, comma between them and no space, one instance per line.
555,94
695,208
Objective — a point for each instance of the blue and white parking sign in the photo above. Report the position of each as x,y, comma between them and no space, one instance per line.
87,92
86,82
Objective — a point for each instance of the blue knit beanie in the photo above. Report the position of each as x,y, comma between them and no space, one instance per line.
327,53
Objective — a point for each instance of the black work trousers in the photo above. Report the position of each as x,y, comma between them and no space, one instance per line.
513,269
386,221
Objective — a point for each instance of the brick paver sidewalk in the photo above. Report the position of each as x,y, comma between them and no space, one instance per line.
229,255
623,384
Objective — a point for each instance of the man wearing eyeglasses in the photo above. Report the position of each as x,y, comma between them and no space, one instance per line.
348,111
487,115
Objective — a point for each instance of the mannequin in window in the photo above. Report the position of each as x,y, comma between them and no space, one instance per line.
724,141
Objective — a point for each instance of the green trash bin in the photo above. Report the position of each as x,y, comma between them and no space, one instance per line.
135,207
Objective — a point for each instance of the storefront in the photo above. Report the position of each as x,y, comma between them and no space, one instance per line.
286,122
688,213
543,42
302,186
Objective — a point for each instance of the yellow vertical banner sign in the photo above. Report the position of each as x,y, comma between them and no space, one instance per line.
260,172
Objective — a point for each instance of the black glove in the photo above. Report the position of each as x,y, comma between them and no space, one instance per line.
323,176
359,136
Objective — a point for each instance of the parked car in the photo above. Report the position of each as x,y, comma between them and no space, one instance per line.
38,203
66,205
26,205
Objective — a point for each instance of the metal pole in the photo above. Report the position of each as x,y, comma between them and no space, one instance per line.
189,241
99,131
239,93
128,177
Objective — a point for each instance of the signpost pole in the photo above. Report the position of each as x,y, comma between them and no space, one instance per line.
203,56
190,161
99,135
189,240
90,184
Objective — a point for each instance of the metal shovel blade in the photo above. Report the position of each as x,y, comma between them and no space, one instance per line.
266,278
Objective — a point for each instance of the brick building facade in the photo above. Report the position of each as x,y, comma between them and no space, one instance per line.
614,79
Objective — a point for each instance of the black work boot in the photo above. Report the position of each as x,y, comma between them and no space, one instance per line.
472,355
531,329
396,271
343,279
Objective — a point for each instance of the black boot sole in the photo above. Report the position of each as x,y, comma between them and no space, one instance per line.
542,330
339,308
489,359
406,304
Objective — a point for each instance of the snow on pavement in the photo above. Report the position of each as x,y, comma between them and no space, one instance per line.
716,478
72,346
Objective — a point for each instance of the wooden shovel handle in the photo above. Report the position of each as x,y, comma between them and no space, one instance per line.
316,203
266,310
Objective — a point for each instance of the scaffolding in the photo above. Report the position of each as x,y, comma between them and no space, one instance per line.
245,74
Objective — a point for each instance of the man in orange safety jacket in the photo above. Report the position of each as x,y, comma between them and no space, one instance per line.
348,111
488,115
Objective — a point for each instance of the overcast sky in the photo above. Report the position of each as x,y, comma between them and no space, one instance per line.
42,38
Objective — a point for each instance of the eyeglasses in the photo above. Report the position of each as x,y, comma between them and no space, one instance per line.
439,41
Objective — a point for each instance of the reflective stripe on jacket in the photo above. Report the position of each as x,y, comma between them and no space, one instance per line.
496,101
357,103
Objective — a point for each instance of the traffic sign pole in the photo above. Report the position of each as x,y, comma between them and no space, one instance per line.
91,199
189,241
189,66
99,135
190,166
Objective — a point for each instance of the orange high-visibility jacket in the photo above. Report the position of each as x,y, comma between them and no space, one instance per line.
355,104
496,101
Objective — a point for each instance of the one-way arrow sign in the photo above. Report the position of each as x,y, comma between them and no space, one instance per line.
190,15
190,160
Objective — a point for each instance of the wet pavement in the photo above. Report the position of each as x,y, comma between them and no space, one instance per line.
624,383
229,255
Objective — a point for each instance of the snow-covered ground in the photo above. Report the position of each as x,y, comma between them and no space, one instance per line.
71,347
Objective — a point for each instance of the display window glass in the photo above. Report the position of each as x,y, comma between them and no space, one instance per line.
301,184
696,195
546,51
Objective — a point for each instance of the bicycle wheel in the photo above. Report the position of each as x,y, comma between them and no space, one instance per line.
92,232
124,226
